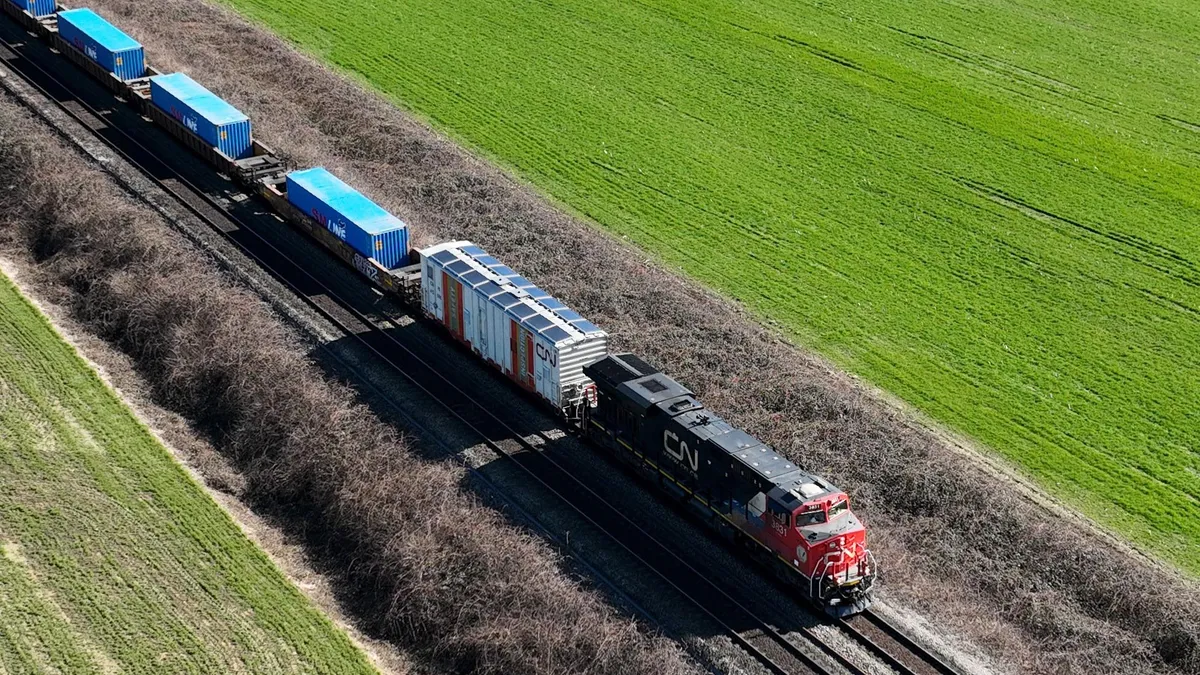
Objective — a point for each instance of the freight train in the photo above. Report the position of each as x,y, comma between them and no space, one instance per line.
796,523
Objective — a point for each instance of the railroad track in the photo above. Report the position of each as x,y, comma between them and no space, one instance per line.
873,631
776,651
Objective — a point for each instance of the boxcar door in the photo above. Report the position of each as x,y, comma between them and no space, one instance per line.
545,379
452,292
522,356
530,381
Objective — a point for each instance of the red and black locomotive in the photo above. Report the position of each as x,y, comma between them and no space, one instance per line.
794,522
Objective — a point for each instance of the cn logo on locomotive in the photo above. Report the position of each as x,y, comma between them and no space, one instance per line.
681,452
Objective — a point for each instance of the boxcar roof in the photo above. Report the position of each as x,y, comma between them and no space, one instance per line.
530,306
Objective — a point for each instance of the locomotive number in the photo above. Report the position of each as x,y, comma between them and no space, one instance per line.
681,452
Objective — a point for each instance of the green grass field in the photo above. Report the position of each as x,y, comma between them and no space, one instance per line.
112,559
989,208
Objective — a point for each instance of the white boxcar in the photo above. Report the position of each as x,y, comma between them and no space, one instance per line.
537,341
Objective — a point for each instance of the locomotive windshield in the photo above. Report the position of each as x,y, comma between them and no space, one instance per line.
816,514
810,518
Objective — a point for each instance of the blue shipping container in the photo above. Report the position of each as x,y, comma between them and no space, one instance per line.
203,112
37,7
101,42
360,222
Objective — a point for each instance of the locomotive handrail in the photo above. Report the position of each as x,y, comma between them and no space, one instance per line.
814,582
832,558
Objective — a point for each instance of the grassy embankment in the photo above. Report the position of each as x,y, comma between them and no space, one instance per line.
990,210
113,558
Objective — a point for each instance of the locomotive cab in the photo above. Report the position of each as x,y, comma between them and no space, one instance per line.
811,523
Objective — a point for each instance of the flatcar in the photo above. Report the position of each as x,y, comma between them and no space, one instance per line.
796,523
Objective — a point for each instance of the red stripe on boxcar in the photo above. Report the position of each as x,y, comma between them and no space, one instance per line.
445,299
529,353
512,344
462,329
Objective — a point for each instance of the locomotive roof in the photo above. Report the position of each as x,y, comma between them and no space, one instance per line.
655,390
642,384
651,389
648,388
804,487
615,369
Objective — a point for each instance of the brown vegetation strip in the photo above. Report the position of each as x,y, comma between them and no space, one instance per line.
967,549
484,598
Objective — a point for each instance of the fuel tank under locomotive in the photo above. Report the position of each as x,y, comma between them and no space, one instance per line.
797,523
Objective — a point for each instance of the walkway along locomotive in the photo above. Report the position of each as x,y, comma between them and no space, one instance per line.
796,523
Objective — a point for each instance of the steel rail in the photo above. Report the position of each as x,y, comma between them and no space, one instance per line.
873,647
931,659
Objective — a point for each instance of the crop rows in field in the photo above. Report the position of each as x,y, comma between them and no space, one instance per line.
989,209
111,558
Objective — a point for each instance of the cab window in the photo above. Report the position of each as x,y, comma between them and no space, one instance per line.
810,518
838,509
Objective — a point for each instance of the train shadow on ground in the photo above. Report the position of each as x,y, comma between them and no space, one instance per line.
612,523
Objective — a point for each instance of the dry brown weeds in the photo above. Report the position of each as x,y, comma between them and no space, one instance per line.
970,550
485,598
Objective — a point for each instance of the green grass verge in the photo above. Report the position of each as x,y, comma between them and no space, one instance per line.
112,559
988,208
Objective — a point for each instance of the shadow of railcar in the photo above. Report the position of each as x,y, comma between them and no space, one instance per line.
610,507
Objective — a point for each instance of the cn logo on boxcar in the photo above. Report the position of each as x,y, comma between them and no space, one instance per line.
546,355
